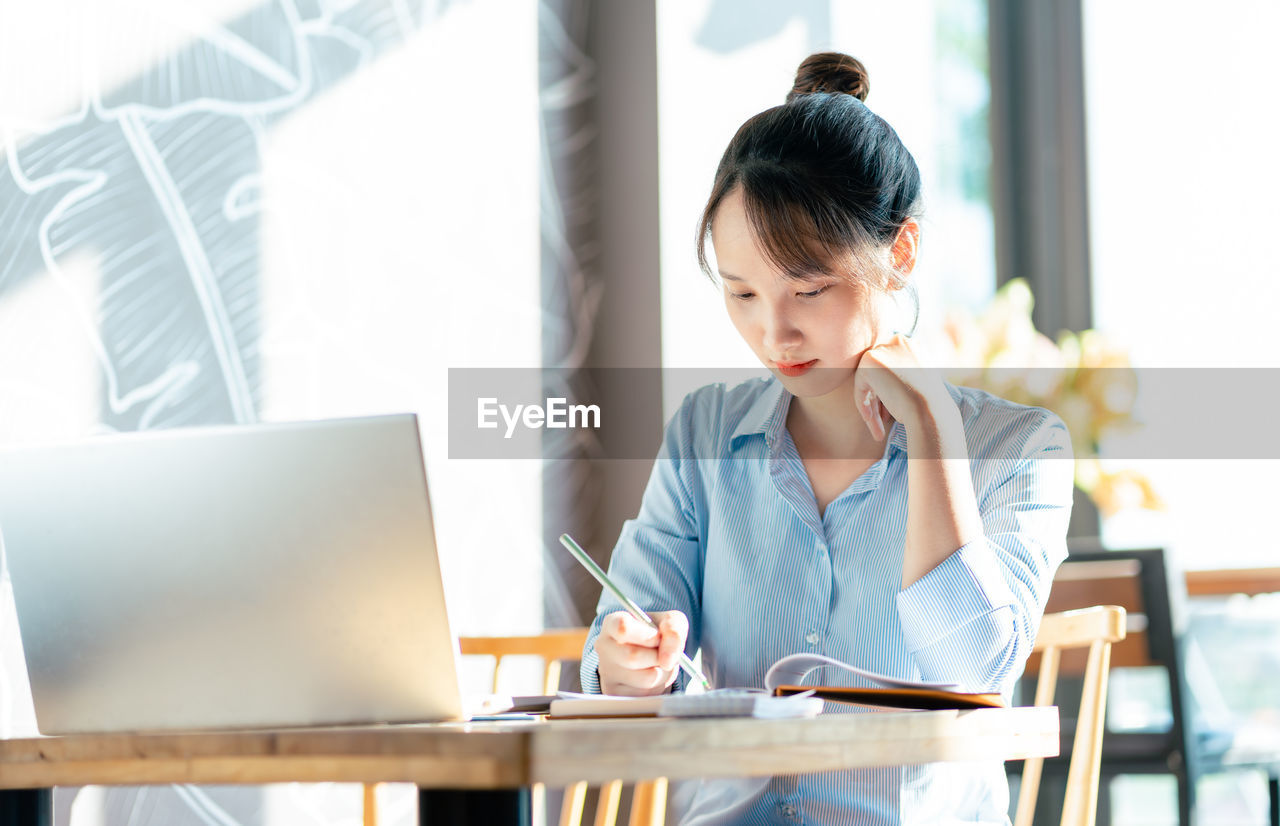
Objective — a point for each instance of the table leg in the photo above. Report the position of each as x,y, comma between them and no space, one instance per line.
1273,792
472,807
26,807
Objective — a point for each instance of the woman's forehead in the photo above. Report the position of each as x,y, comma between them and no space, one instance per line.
741,257
766,272
731,224
785,244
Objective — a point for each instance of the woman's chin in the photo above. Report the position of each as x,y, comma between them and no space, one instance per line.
816,382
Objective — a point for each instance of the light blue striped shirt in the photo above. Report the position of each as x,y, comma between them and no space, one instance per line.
729,533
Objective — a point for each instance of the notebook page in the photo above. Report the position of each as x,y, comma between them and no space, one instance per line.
793,668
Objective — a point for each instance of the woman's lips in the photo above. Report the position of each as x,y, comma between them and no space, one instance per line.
793,370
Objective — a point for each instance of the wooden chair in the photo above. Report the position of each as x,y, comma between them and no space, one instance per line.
1096,628
1143,583
1154,594
648,799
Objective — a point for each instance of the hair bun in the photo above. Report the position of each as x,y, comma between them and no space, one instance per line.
831,72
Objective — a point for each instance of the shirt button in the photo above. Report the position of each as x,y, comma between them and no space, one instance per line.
812,638
788,811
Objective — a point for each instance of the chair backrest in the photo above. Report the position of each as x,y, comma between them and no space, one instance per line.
1153,595
1147,586
1138,580
555,647
1095,629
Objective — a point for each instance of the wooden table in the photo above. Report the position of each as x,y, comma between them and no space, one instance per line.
481,772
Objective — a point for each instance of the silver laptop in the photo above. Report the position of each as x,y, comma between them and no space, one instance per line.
249,576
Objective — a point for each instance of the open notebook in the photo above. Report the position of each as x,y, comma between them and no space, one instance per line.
785,678
783,696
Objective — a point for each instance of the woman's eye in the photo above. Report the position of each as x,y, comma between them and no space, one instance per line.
815,293
742,296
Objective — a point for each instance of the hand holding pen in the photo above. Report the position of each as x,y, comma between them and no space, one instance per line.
638,652
635,659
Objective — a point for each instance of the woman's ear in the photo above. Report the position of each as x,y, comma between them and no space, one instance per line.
905,248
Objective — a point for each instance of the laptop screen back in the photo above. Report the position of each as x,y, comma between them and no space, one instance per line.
249,576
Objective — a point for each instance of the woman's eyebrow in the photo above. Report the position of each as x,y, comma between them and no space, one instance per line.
729,276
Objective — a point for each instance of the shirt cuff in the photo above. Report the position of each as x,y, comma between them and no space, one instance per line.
587,674
967,587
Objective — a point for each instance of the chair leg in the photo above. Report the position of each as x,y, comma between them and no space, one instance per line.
575,797
1186,797
1080,805
607,803
649,803
370,804
1273,792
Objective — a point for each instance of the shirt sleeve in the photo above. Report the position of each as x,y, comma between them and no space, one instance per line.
972,619
658,559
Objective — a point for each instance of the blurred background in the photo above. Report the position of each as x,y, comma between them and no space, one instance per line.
233,211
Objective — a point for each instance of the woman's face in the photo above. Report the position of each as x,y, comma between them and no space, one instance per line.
809,333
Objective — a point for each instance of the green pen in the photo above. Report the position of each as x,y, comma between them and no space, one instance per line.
686,664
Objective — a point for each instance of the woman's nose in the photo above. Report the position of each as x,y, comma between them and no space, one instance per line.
781,335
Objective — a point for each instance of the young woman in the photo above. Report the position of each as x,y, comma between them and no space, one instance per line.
853,504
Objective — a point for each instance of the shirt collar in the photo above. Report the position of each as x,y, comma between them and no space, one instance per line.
767,415
898,437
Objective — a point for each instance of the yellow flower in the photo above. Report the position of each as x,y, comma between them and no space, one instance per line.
1116,491
1083,377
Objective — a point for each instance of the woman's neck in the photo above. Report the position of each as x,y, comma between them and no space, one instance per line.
830,427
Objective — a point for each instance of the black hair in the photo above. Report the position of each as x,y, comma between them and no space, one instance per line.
825,181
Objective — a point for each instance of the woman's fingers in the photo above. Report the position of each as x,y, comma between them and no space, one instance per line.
673,628
636,659
870,409
627,642
637,683
880,388
867,375
625,629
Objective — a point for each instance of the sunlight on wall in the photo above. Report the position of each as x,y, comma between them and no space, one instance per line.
400,238
49,373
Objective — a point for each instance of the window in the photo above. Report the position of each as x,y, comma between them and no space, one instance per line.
1183,174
